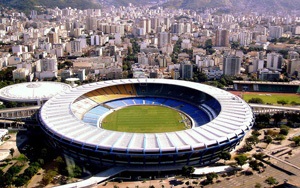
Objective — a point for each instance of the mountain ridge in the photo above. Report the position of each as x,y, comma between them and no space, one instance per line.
28,5
236,4
230,4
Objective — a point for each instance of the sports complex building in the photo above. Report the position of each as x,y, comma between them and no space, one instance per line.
218,121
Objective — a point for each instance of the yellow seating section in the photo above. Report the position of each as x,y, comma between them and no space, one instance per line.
111,93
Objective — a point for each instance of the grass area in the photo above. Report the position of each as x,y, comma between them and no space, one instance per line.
144,119
273,97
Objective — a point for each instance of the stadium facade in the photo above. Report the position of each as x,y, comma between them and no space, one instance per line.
72,121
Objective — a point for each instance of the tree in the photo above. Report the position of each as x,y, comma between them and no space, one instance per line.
279,137
282,102
1,178
11,151
235,45
225,155
210,177
187,170
296,140
7,180
284,130
271,181
200,76
208,43
20,181
294,103
76,172
277,117
254,165
255,133
247,147
252,140
263,118
258,156
257,185
22,158
256,100
268,139
48,177
241,159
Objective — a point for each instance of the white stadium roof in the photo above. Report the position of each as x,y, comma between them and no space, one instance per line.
235,118
32,91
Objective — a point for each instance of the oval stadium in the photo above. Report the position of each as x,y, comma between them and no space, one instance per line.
213,120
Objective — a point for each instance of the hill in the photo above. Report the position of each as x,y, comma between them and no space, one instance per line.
242,5
126,2
235,4
27,5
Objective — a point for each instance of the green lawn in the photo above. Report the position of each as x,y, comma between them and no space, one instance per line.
144,119
272,98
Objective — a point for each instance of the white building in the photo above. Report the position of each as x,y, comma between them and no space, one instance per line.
274,61
95,40
74,46
45,74
13,60
232,65
245,38
186,44
294,68
20,73
163,39
48,64
17,49
275,31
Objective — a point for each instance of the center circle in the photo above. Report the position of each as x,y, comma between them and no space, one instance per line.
146,119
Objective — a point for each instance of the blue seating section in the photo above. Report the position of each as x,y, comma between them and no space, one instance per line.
128,101
159,101
138,100
188,109
149,100
115,104
173,103
214,104
94,114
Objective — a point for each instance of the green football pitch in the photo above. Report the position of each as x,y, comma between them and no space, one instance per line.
144,119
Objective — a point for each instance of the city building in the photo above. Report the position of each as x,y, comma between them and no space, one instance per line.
222,38
274,61
163,39
232,65
269,75
186,70
293,67
275,32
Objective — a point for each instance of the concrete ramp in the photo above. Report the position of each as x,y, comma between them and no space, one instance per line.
94,180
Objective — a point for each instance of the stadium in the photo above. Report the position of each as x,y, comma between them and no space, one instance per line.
214,121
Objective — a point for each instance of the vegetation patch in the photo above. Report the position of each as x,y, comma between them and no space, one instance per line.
279,99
